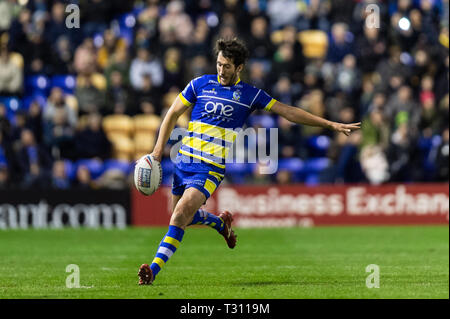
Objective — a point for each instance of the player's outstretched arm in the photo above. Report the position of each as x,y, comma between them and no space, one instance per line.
168,124
299,116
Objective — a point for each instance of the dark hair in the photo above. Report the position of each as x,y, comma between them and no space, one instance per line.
233,49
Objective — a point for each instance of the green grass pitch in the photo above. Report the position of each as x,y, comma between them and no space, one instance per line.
293,263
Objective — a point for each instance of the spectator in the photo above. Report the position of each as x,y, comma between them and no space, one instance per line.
340,43
118,91
59,176
176,26
18,39
92,142
147,92
148,20
289,139
83,178
85,58
400,154
145,63
62,57
59,135
173,69
39,55
34,120
402,107
282,13
375,130
348,78
199,43
429,119
442,158
259,44
11,76
317,11
96,14
8,11
284,177
5,124
119,62
258,74
371,48
56,101
55,28
286,92
374,164
19,120
34,162
111,44
90,93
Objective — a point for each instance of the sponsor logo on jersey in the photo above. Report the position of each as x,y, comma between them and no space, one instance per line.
219,108
213,91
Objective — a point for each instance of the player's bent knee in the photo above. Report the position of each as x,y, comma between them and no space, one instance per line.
182,215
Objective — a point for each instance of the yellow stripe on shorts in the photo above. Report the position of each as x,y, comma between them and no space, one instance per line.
216,175
202,158
210,186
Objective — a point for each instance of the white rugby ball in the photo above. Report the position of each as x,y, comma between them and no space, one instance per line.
147,175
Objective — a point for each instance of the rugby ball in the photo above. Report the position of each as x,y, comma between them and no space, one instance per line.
147,175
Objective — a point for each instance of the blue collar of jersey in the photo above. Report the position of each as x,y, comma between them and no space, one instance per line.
218,79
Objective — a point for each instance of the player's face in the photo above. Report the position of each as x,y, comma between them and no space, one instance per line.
227,71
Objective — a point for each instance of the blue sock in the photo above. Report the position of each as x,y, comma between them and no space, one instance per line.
166,248
204,218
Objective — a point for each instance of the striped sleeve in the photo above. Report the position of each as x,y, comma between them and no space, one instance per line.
188,95
263,101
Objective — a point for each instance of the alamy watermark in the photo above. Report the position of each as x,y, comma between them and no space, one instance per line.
73,280
373,280
223,146
73,19
372,20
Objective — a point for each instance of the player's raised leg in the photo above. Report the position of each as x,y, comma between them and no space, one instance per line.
221,223
191,200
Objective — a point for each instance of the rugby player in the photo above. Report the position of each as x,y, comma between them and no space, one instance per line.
220,104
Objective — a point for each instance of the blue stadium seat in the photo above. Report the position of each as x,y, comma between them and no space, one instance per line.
66,82
425,145
40,99
71,169
316,165
37,84
293,165
123,166
312,179
94,166
12,104
318,145
127,20
266,121
238,171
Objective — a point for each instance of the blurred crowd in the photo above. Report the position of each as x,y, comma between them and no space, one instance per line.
79,105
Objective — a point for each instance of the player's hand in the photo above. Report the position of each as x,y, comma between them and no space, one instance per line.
156,156
345,128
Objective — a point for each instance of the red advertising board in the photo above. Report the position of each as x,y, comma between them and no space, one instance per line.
299,205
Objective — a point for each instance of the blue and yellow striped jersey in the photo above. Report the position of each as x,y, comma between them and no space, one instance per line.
217,112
